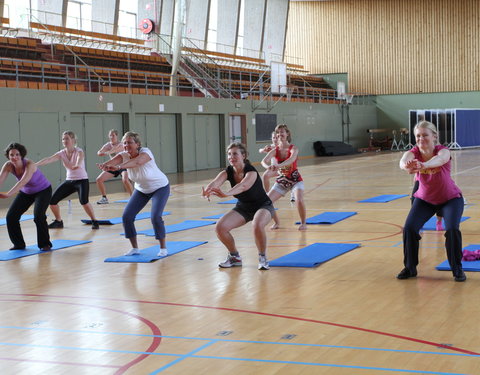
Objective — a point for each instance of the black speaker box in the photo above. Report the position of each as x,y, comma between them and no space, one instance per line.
332,148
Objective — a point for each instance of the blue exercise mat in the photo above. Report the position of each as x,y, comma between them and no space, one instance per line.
329,217
33,250
231,201
187,224
118,220
383,198
313,255
150,253
213,216
22,218
467,265
431,224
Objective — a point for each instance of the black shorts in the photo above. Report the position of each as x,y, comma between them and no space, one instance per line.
68,187
249,212
117,173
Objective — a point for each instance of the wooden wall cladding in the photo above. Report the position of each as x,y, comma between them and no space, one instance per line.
390,46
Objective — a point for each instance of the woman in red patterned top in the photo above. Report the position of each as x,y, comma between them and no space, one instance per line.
289,178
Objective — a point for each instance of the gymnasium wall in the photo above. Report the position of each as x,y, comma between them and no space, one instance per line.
184,137
390,46
393,109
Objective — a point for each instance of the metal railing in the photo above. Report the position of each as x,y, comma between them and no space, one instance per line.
103,79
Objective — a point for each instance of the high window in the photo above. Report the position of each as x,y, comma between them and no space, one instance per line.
79,14
127,18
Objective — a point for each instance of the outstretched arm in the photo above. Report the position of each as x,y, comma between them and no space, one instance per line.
105,150
246,183
215,184
48,160
266,161
112,164
30,169
6,169
78,161
291,159
438,160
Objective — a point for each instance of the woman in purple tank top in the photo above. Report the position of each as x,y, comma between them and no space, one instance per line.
437,193
32,187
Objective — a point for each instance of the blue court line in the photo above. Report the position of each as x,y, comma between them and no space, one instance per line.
328,365
192,355
185,356
211,342
458,354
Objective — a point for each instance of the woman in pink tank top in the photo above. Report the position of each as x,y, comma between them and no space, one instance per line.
73,159
437,192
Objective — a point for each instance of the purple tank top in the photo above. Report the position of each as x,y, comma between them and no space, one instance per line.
37,183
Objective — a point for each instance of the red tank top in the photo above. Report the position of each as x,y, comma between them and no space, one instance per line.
288,175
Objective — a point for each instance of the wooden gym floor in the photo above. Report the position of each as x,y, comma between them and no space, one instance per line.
69,312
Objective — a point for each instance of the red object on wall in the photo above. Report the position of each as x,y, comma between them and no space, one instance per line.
147,26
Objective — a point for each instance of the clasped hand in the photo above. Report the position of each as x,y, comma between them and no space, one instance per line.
414,166
105,167
206,193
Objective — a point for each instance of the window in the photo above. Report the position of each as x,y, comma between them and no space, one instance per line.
127,18
79,15
241,29
212,26
17,11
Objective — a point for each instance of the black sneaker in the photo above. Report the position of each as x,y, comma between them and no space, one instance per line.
17,248
460,276
406,273
56,224
95,224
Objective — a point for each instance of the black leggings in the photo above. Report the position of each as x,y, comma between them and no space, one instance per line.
69,187
420,212
20,205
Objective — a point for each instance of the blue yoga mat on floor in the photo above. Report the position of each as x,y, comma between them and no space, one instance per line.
32,250
187,224
383,198
473,266
313,255
22,218
431,224
329,217
218,216
118,220
150,253
121,201
231,201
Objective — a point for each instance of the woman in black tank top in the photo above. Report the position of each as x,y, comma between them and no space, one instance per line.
253,205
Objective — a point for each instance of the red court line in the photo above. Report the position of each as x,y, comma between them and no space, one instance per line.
393,335
156,339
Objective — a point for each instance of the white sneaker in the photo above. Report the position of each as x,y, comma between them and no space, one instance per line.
263,263
231,261
104,200
133,251
162,253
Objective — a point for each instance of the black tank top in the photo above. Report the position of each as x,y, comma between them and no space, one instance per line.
253,197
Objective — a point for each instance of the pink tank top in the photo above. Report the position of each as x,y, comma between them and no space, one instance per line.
73,174
436,184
